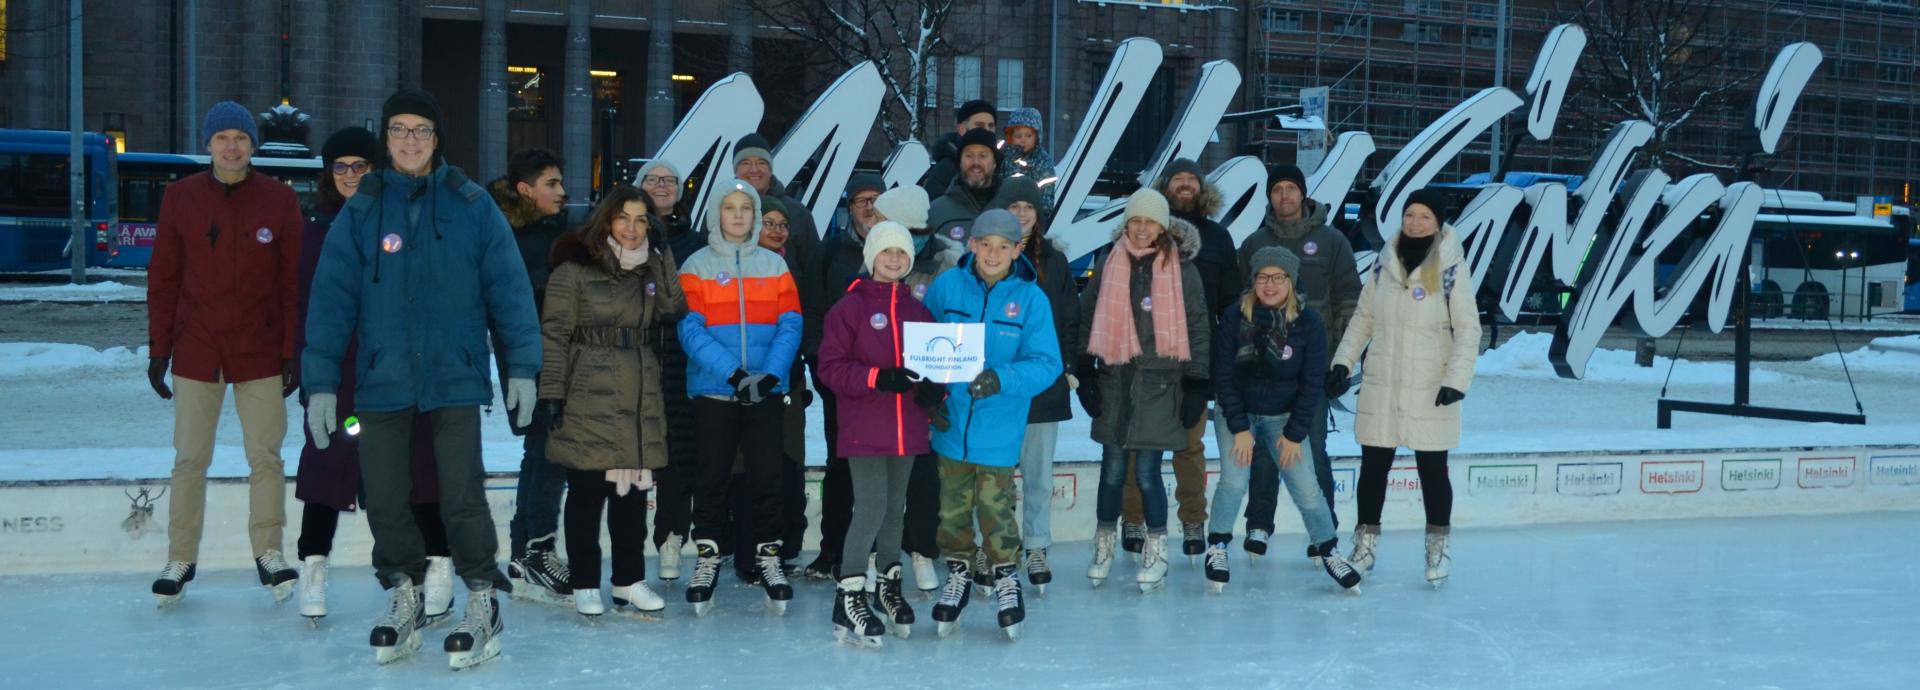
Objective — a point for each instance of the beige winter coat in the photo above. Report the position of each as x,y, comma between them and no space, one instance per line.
1425,334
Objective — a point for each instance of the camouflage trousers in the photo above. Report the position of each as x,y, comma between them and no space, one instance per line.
969,491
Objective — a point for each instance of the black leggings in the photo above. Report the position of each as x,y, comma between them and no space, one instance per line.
318,523
1436,491
626,529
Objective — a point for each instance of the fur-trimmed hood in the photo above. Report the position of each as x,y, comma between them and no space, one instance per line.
1185,236
519,210
1210,199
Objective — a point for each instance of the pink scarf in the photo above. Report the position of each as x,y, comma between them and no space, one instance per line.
1114,339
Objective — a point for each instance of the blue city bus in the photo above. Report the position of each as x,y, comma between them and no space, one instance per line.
1913,275
36,229
143,180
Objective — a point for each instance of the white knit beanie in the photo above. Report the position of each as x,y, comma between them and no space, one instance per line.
1150,205
906,205
888,235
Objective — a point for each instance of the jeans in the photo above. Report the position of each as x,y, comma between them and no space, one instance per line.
1265,484
1036,477
536,501
1113,482
1301,483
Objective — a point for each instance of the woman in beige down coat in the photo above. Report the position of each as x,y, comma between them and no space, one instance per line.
1419,329
601,387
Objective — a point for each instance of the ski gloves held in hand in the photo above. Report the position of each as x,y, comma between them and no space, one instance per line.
323,410
751,389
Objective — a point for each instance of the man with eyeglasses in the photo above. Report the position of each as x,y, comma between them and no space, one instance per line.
532,197
221,300
420,266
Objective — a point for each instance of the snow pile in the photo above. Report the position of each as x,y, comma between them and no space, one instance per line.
23,359
106,291
1525,356
1896,355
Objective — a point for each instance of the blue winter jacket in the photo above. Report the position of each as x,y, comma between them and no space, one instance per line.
1292,388
423,267
1021,348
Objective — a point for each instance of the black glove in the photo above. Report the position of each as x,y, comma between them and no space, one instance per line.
1337,381
1193,401
1089,390
289,377
752,388
800,398
984,385
555,412
929,395
157,375
1448,396
894,380
938,415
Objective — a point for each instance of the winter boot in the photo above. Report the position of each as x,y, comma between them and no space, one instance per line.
540,575
1365,539
477,637
396,634
1193,540
773,578
888,600
670,557
438,589
276,574
1338,568
1132,536
313,589
1007,599
1153,563
853,622
172,583
1216,562
1103,537
706,569
1438,559
953,597
1038,572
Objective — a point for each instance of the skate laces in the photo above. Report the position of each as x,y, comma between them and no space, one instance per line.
1133,530
1335,564
957,583
890,598
400,607
1037,561
175,570
1006,592
670,549
771,574
1103,548
272,561
479,616
855,605
1190,531
705,571
550,565
1216,557
1154,551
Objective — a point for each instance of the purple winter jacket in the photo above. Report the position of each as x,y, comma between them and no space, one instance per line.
860,337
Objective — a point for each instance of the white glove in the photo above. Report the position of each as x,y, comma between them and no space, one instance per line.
321,422
520,400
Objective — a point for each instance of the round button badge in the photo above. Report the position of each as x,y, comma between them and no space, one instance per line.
263,235
878,322
391,243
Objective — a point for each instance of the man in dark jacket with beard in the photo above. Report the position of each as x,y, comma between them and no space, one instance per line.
971,115
532,197
1191,199
1328,282
970,191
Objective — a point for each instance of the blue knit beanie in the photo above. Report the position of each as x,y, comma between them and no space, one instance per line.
227,115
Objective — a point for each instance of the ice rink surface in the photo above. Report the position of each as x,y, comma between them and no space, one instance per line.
1786,602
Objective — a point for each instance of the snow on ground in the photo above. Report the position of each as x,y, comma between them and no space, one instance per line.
71,412
106,291
1754,602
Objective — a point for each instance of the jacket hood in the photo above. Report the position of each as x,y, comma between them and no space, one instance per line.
520,211
715,238
1210,199
1027,117
1185,236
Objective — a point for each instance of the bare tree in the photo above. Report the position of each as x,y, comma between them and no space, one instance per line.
1662,61
898,36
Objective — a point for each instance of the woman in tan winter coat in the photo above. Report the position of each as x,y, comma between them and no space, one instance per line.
601,388
1419,328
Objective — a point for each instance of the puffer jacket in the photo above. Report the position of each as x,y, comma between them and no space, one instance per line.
1329,280
1021,349
1248,387
862,336
743,308
597,359
424,268
1140,399
1424,332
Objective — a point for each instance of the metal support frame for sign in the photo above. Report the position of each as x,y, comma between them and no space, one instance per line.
1777,96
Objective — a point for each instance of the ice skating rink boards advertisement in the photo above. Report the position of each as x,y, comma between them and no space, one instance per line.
120,525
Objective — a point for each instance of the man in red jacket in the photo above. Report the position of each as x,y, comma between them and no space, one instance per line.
221,300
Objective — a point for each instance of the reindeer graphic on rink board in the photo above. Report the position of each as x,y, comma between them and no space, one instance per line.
140,513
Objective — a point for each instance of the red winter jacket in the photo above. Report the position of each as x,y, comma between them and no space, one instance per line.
222,286
861,336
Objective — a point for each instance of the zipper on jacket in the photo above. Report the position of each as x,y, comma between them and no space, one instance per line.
966,435
740,291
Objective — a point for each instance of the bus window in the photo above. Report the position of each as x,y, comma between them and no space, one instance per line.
33,185
140,200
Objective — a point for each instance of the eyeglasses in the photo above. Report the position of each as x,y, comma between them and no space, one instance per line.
862,202
659,181
774,225
1270,279
421,133
357,167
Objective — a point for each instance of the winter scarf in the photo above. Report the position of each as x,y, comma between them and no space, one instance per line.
1261,341
1114,338
629,259
630,480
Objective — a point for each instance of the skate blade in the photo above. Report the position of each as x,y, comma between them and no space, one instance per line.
902,631
1040,590
428,620
945,628
627,609
1012,631
406,648
313,622
1150,587
1353,591
167,601
527,591
777,607
1216,587
1097,581
283,591
1439,583
846,637
701,608
472,658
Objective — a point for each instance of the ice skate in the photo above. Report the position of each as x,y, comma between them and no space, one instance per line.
821,568
953,597
438,590
853,622
773,578
313,589
926,578
1008,601
982,574
1153,563
670,558
1216,562
1339,569
276,575
172,583
1438,558
1313,554
587,602
706,569
638,600
1038,573
396,635
1133,535
539,575
1097,571
1365,539
477,638
1256,544
891,605
1193,541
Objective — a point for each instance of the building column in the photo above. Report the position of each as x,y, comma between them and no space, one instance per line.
493,91
577,109
660,90
740,38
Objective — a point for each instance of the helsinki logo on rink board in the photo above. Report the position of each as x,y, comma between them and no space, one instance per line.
1610,266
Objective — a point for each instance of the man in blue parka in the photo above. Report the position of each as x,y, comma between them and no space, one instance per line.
420,265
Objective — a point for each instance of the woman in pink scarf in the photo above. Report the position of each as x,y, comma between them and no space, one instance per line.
1143,318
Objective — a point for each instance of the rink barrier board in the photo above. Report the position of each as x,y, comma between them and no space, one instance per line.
107,525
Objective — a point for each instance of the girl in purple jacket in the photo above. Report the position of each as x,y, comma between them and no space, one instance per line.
882,427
